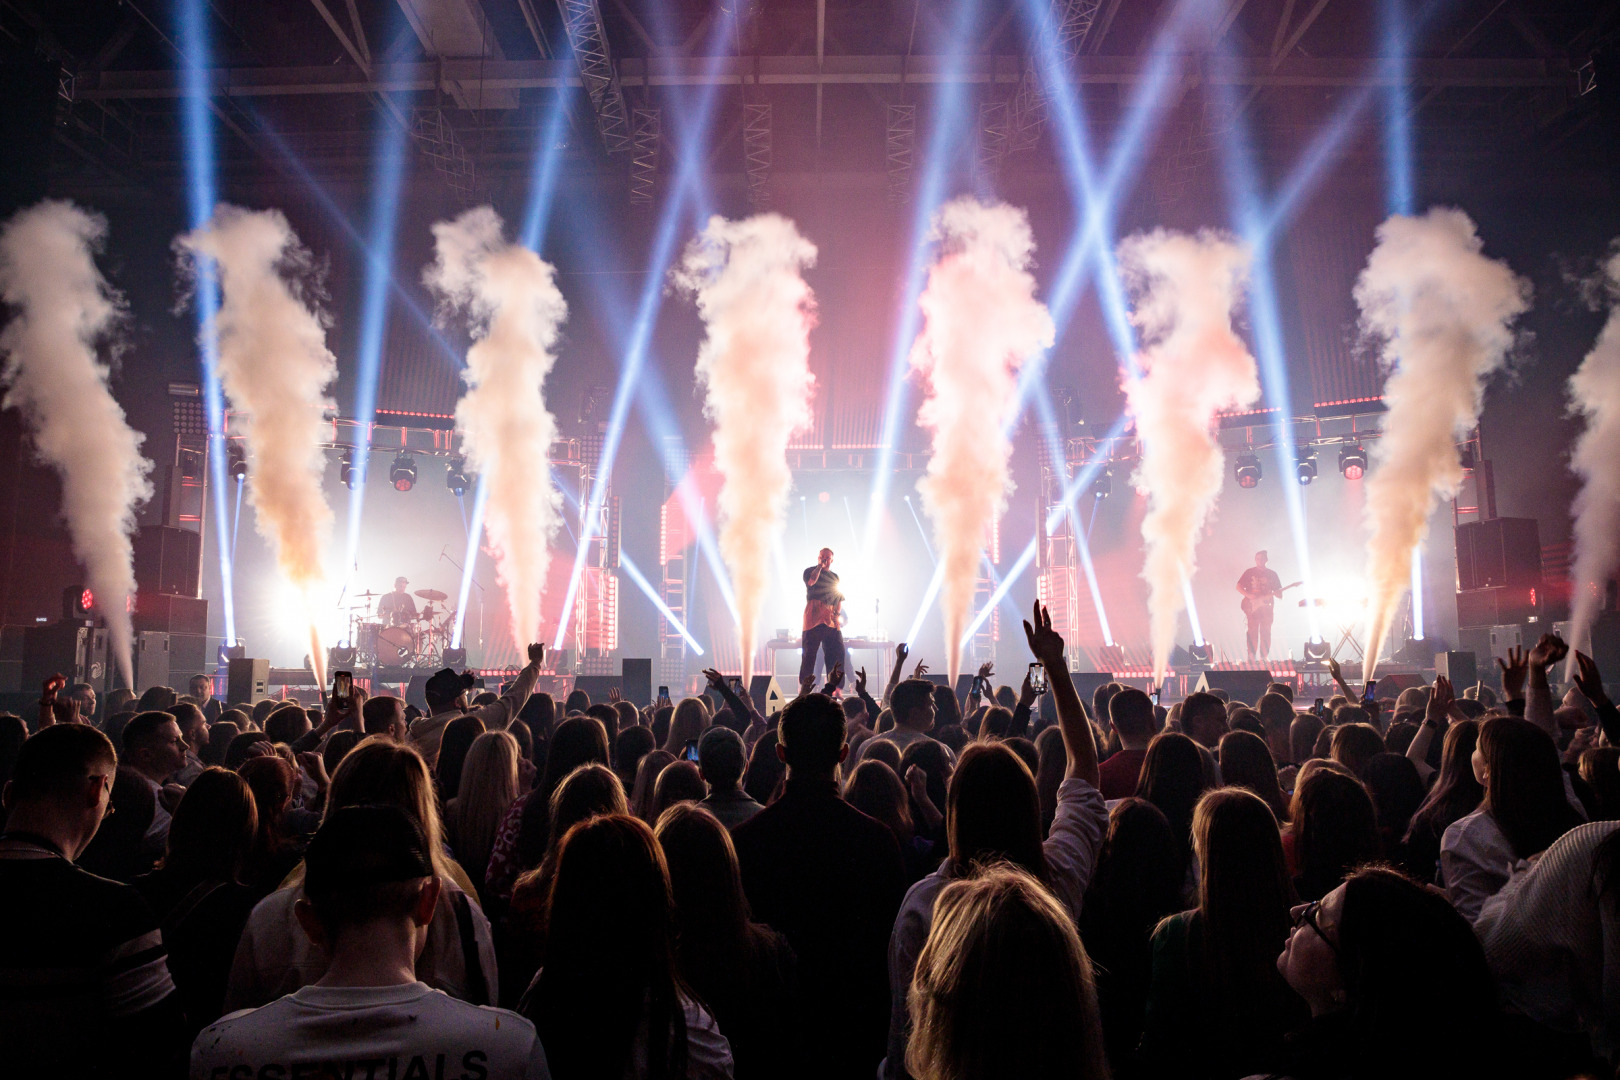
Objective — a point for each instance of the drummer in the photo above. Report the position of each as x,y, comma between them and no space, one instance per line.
397,608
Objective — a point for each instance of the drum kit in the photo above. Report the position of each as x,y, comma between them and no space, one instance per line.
418,641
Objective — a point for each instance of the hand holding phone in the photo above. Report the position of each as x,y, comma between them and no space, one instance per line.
1367,694
1037,677
342,689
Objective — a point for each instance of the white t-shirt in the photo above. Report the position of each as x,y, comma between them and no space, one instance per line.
372,1032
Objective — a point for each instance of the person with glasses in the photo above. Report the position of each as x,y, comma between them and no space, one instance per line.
1396,983
155,748
84,987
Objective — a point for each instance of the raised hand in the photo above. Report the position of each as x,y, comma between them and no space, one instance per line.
835,677
716,679
920,670
900,653
917,781
1334,670
1548,651
1589,681
1440,700
1026,693
1044,642
614,697
860,680
1515,673
987,669
537,653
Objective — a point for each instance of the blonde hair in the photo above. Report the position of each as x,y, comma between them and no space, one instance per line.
690,719
379,770
1003,987
489,783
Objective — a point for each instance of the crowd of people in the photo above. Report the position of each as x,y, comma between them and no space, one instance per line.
1018,884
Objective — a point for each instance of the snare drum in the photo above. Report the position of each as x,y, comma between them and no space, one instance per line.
395,642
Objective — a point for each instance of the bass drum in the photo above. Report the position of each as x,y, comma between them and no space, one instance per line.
365,640
395,643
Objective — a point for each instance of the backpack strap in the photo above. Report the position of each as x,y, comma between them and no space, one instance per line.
477,984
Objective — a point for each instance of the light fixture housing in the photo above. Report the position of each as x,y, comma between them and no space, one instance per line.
1305,468
1353,462
402,474
456,478
1247,468
236,463
1103,486
347,473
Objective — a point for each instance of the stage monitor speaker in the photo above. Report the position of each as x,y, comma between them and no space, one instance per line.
1086,683
597,686
635,679
1498,552
1246,686
1462,668
76,650
247,681
168,561
939,679
1391,684
767,694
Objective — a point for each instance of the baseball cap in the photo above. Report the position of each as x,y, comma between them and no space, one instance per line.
446,684
361,846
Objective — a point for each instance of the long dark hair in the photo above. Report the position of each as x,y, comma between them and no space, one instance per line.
1411,968
1457,793
579,740
459,735
992,813
1524,785
1336,830
609,956
213,829
1246,762
1244,892
877,792
1139,878
1173,780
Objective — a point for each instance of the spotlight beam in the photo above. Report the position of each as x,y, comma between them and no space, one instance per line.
947,125
686,179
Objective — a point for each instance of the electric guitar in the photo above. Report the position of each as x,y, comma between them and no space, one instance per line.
1267,600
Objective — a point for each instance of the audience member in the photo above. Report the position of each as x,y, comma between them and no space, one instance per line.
1354,744
384,715
1302,736
121,850
689,721
156,751
446,694
1130,714
454,742
523,837
488,785
1334,828
1003,987
83,978
275,851
609,999
678,782
1455,794
632,744
1173,780
369,901
1246,762
742,970
721,761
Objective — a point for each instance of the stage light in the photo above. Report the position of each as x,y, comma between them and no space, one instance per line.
453,658
1305,467
1353,462
237,466
402,473
1247,468
1200,656
1314,656
341,658
1103,486
456,478
347,473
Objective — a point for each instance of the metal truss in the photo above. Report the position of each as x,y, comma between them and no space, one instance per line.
431,128
757,152
901,150
644,155
991,139
583,21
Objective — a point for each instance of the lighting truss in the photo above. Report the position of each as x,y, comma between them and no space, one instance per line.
1069,21
648,125
901,149
583,21
757,151
991,141
431,128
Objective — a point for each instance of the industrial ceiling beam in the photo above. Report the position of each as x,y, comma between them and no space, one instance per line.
474,75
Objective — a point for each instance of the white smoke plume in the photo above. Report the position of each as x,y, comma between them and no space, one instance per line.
981,323
1442,312
510,295
1192,366
755,369
64,308
275,367
1594,393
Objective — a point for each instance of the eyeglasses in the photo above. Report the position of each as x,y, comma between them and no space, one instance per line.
1307,917
111,809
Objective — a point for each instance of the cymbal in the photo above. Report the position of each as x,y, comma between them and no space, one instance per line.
367,595
432,594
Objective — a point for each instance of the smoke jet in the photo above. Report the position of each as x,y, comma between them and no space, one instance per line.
510,296
275,367
64,308
754,365
981,323
1594,393
1441,312
1192,366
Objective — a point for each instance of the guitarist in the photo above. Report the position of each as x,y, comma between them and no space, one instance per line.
1260,587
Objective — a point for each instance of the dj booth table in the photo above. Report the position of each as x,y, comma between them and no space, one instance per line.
877,672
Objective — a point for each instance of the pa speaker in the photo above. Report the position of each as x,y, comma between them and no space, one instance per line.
169,561
597,686
635,679
1399,680
767,695
247,681
75,650
1245,686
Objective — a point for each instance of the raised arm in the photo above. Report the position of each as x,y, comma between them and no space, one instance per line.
498,715
1338,677
1589,681
900,654
1078,741
1515,673
1538,704
1437,714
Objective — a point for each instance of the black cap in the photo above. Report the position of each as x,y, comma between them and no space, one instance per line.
361,846
446,684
